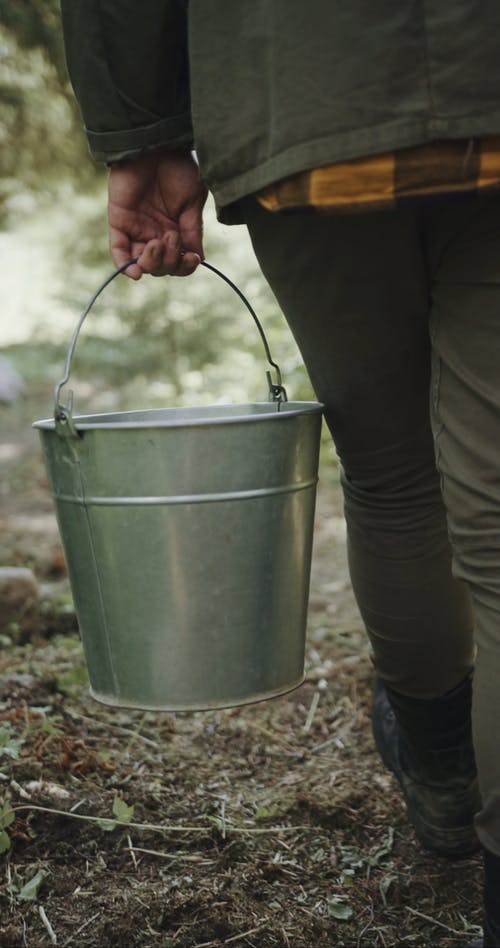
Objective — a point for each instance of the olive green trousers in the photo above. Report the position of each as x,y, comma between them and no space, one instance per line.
397,316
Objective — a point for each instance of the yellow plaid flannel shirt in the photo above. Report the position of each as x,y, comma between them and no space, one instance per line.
390,179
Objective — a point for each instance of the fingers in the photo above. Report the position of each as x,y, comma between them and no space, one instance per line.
159,257
191,227
133,271
167,257
157,260
121,253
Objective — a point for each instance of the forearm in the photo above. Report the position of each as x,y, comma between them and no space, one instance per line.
129,69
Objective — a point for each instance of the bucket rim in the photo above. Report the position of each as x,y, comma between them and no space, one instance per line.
188,416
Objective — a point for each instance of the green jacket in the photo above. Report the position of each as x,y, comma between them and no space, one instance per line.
266,88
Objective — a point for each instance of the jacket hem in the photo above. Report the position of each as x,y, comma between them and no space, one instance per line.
341,147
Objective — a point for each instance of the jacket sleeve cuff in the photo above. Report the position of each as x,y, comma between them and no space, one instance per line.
170,133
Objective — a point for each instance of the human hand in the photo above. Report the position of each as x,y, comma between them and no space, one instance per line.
155,206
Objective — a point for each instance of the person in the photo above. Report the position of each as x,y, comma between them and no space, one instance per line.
360,144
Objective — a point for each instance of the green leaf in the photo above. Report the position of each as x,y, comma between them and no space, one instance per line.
385,885
7,816
48,727
347,878
122,811
340,910
29,891
378,854
9,746
107,825
266,813
352,857
4,841
72,682
104,756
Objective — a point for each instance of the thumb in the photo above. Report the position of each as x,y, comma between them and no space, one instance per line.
191,230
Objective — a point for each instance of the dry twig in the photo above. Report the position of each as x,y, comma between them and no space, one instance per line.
434,921
51,933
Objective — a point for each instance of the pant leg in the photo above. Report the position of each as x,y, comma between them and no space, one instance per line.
355,292
464,251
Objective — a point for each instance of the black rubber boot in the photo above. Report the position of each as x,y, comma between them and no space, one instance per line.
427,745
491,938
491,925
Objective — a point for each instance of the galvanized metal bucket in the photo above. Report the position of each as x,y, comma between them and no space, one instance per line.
188,537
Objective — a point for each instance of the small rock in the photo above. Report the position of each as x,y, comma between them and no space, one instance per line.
19,679
35,787
18,601
56,609
13,685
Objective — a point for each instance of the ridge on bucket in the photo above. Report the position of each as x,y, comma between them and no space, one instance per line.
188,539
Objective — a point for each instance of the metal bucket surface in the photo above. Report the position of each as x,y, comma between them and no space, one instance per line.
188,538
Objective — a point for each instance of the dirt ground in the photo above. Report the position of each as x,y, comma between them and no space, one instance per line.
270,825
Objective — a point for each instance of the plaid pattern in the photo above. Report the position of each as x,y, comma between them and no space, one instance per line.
390,179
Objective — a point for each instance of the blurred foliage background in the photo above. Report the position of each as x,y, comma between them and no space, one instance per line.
160,341
40,130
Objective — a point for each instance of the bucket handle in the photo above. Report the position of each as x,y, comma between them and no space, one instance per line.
63,413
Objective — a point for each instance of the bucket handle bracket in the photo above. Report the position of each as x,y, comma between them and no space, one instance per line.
277,391
63,417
